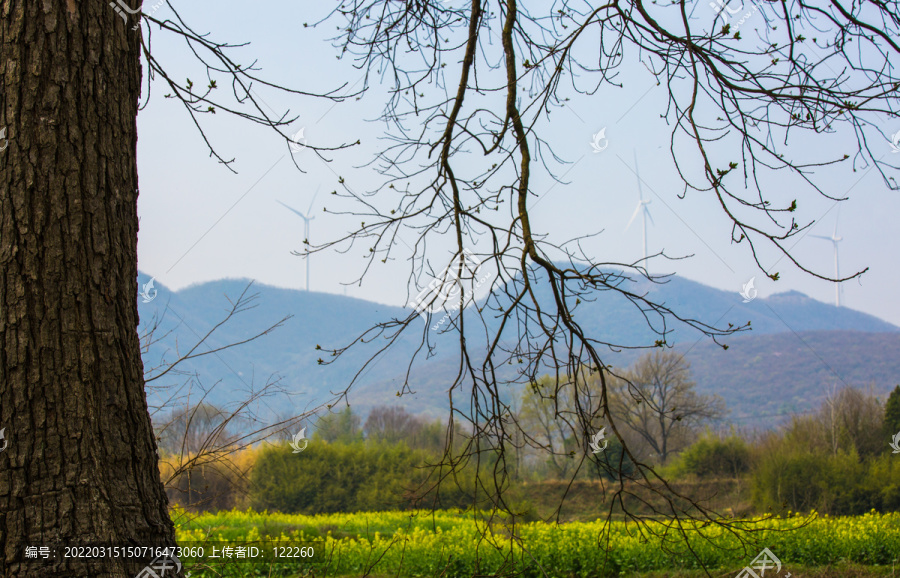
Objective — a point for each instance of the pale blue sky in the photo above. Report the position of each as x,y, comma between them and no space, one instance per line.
190,233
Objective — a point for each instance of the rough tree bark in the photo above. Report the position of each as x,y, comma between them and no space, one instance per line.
81,464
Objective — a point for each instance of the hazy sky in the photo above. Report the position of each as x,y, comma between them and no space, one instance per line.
200,222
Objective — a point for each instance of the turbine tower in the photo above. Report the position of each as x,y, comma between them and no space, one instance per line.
306,221
837,268
641,208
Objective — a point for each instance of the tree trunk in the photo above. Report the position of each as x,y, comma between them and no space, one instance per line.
81,462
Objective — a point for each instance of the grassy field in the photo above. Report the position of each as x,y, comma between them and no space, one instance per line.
453,543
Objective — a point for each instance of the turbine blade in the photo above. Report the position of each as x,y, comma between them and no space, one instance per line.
293,210
633,216
637,173
309,210
649,216
822,237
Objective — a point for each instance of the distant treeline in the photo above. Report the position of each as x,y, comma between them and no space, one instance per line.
837,460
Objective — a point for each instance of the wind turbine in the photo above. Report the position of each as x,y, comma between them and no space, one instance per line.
306,221
837,268
641,208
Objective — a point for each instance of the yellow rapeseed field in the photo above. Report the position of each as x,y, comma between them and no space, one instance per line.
456,543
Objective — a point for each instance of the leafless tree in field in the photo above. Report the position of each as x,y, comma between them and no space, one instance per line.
851,418
391,424
658,402
472,86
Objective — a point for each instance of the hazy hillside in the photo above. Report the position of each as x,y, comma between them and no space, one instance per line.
764,378
767,371
289,351
613,318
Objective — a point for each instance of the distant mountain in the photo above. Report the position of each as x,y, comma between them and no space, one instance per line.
614,318
765,378
761,373
183,317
